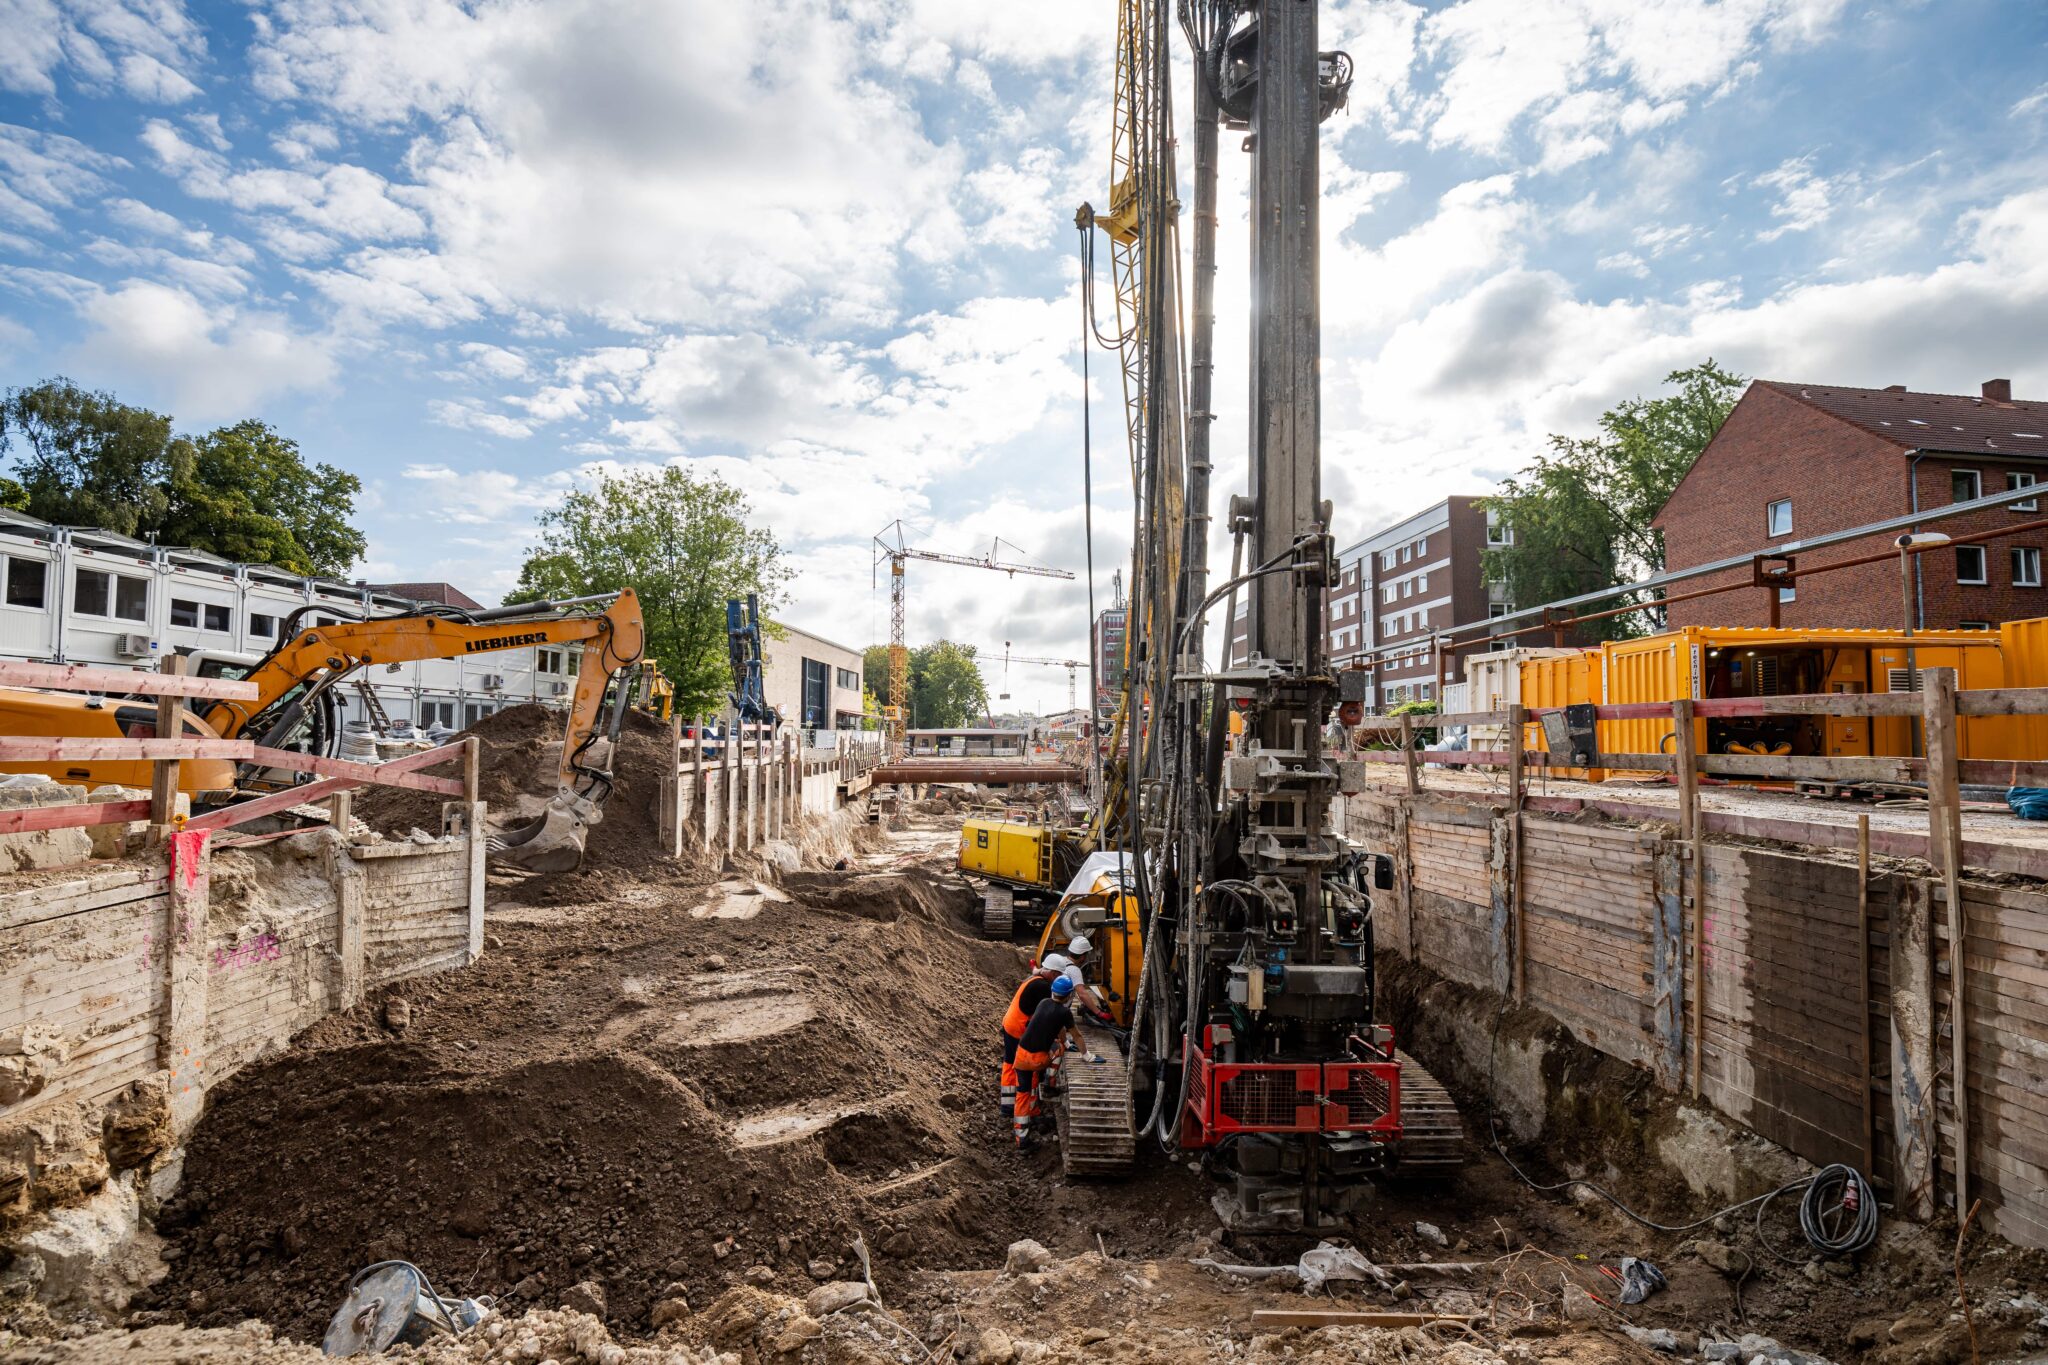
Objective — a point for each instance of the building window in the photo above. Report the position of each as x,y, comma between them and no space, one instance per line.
1422,582
1965,485
1970,564
1408,587
1498,609
434,713
1778,517
548,660
849,680
96,592
1973,625
2026,567
474,712
1422,547
1788,594
2021,478
195,615
219,618
1386,559
185,614
1389,593
27,583
1497,532
263,626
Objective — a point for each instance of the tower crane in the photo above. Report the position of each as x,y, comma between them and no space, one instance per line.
1069,664
896,552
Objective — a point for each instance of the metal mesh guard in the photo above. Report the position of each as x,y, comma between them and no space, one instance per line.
1261,1097
1367,1094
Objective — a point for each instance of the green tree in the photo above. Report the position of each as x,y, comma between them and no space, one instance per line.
946,687
88,459
683,543
242,492
1581,514
250,496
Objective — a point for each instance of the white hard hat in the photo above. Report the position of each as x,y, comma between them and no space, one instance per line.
1055,962
1080,947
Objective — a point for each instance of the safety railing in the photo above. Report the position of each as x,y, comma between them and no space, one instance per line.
172,745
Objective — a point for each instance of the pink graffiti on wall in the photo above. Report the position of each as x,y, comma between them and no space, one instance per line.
262,948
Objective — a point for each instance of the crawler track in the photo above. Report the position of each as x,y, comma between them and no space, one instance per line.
1433,1142
1094,1109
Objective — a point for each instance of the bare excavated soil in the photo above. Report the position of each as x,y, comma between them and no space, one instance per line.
617,1089
520,749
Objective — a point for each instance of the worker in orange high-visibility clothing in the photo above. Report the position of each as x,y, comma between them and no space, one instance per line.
1026,999
1038,1054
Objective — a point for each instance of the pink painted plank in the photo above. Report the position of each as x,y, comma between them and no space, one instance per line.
80,748
378,774
30,818
116,681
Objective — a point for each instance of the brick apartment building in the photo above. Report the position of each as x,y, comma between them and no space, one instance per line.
1797,460
1399,587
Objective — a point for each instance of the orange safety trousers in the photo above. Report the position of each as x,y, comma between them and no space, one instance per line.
1032,1068
1014,1020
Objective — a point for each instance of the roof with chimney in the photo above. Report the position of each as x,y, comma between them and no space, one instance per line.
1990,423
447,594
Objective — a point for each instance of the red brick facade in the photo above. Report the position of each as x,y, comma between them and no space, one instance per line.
1836,473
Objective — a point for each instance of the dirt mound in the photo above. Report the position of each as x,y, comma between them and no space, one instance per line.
687,1084
520,750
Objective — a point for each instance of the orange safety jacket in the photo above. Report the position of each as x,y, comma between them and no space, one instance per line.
1019,1013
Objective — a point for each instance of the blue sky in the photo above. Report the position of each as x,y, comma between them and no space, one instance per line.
475,251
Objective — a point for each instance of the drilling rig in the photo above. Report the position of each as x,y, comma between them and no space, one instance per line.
1252,1036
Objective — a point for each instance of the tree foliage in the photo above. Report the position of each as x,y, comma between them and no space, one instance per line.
1581,514
946,687
243,492
683,543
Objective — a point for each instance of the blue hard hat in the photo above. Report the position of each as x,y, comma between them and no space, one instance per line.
1062,987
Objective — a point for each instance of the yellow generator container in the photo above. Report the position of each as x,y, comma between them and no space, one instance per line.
1560,678
1008,850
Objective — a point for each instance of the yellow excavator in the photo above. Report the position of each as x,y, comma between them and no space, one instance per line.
298,705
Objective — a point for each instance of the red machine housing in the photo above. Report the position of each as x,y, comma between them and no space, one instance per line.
1358,1098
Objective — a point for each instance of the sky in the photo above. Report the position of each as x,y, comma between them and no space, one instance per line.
479,252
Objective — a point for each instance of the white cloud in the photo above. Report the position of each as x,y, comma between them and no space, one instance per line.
474,417
148,48
215,362
42,171
1804,199
343,201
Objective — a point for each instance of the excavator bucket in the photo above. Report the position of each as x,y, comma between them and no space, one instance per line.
553,840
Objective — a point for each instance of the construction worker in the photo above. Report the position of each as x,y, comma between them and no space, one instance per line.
1076,958
1038,1053
1023,1002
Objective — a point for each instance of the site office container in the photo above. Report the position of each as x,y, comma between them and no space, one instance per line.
1728,662
1493,682
1560,678
2024,648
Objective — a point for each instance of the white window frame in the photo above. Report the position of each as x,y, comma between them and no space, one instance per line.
1771,527
432,709
6,585
1976,478
2026,566
114,579
1495,610
1983,565
2022,478
1789,594
256,631
1386,559
1422,548
1497,531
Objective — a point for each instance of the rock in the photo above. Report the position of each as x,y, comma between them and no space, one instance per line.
715,962
1813,1272
1721,1256
1025,1257
669,1310
759,1274
93,1258
801,1329
820,1269
1402,1291
1868,1332
137,1124
1908,1327
291,1241
397,1015
1090,1336
1841,1270
585,1296
1430,1232
531,1287
836,1297
1580,1306
903,1243
722,1249
993,1347
1656,1338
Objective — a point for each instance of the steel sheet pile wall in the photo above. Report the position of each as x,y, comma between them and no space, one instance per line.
1823,1016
